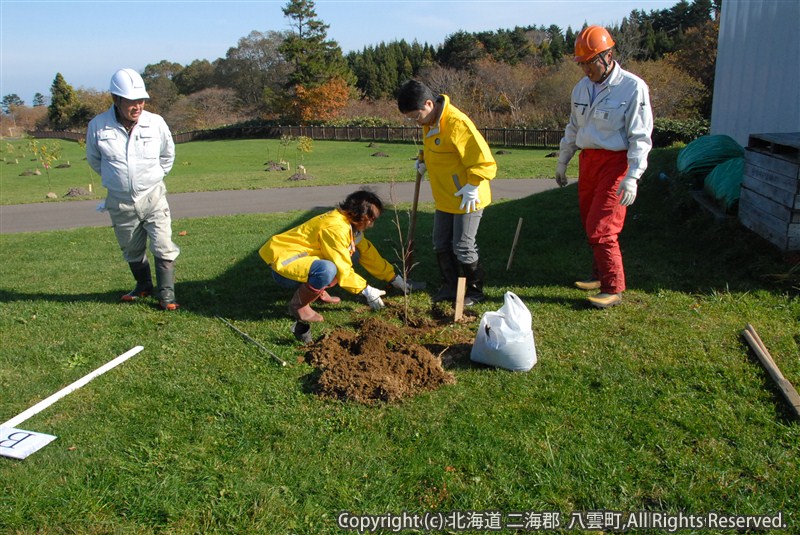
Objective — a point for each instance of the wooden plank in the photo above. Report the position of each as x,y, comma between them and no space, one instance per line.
763,224
461,290
784,386
793,239
781,145
779,187
776,166
765,204
769,190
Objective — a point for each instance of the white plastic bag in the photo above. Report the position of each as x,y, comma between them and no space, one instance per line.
505,337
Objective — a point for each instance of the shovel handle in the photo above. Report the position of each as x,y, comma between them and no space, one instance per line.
412,225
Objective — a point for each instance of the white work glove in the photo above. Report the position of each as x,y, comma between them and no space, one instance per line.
627,191
407,286
561,174
469,198
421,167
373,296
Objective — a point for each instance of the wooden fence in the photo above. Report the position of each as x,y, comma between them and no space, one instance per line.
503,137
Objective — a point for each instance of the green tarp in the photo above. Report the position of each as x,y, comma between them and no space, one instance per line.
724,182
705,153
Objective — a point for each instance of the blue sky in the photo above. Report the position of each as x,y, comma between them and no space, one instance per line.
86,41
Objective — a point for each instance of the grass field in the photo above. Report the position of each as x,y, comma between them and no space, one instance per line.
239,164
656,405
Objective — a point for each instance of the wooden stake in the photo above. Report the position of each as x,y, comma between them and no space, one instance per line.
461,290
514,245
786,388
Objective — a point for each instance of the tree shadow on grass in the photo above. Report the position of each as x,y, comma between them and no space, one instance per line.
666,246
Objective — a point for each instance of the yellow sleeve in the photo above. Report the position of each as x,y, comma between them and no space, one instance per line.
373,262
335,245
476,156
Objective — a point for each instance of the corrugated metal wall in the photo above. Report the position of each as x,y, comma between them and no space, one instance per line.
757,81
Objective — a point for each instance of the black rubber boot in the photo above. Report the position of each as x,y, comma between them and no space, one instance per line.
448,267
144,280
475,275
165,276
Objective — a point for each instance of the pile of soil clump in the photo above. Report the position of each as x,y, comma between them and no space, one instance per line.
300,176
275,166
76,192
378,362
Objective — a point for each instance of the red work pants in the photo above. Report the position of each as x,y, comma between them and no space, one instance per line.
600,173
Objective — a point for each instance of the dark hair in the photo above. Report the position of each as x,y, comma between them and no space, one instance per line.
361,205
411,96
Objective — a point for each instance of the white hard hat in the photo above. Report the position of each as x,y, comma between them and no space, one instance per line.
128,83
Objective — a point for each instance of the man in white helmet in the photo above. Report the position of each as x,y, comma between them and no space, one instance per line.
132,150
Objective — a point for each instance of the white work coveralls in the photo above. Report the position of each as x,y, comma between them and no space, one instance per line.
133,167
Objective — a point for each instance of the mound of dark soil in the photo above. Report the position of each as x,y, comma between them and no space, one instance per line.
274,166
378,362
380,154
301,176
76,192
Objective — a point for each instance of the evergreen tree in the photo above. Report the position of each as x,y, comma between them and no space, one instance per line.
63,102
460,50
38,100
11,100
316,60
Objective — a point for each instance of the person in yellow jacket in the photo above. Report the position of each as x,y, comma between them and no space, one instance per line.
460,165
323,251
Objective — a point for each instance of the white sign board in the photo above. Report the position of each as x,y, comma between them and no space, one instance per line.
18,444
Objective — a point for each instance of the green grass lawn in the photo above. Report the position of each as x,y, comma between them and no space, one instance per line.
655,405
240,164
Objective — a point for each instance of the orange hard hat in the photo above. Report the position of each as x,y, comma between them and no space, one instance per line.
592,41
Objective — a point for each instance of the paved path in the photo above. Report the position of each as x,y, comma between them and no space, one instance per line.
74,214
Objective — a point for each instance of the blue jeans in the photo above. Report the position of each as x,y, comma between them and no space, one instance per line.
320,276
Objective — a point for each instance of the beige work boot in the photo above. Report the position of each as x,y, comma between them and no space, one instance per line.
589,284
604,300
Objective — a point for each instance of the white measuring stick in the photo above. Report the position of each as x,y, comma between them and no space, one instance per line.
13,422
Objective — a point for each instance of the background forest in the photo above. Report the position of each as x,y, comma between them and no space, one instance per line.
516,77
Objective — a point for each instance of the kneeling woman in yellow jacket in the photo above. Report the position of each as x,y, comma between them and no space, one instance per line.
323,251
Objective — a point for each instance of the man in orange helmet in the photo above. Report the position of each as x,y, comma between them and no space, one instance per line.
611,122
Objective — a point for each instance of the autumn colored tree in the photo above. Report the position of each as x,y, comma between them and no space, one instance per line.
674,94
321,103
700,66
506,87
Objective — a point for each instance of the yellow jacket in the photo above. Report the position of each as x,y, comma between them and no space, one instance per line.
325,237
457,154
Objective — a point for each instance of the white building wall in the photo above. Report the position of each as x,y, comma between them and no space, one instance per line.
757,79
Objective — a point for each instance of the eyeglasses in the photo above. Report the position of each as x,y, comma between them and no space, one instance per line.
591,61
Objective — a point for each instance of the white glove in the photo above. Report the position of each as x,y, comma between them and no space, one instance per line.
469,198
373,296
627,191
407,286
421,167
561,174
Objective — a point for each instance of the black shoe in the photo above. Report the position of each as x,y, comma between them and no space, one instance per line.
445,293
